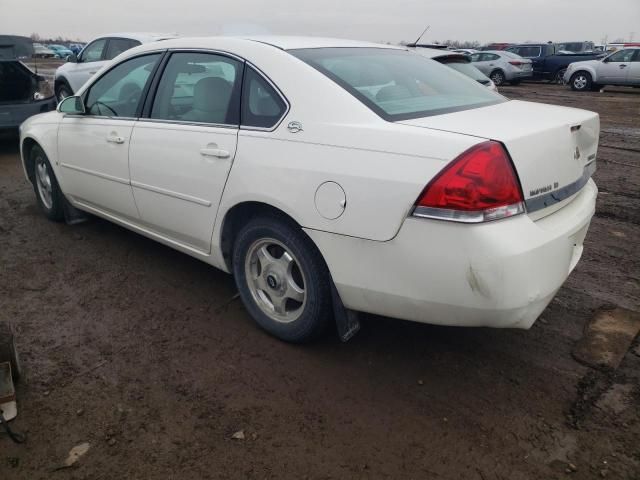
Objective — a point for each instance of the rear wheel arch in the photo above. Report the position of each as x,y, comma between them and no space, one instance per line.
239,215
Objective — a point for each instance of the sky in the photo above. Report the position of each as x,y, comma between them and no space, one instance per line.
375,20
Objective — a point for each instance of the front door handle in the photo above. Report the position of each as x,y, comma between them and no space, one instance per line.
622,66
115,139
93,73
214,152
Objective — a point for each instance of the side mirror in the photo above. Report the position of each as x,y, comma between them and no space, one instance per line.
73,58
72,105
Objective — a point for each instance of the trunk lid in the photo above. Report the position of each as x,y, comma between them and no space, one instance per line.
553,148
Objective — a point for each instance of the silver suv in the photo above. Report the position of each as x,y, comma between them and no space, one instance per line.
619,68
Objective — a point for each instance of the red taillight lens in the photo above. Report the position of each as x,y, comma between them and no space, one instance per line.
516,63
478,186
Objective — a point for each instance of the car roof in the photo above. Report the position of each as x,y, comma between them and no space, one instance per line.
142,37
290,42
433,53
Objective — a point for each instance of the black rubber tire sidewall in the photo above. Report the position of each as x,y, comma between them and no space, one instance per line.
587,86
62,86
8,351
318,309
56,212
502,82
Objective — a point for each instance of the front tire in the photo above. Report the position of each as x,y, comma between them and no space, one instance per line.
581,82
48,193
8,351
283,280
497,76
63,90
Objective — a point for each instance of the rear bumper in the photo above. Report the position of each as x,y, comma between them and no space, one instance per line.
519,75
498,274
12,115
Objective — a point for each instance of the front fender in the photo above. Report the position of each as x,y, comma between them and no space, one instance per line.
43,130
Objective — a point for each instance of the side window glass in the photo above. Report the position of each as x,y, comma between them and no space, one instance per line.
93,52
475,57
118,92
262,107
636,57
119,45
491,56
199,88
622,56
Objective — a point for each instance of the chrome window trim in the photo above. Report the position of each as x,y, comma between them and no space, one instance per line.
185,122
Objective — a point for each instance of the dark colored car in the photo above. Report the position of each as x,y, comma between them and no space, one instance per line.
23,93
496,46
549,63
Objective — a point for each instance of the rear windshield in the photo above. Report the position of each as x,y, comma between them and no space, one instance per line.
397,84
469,70
526,52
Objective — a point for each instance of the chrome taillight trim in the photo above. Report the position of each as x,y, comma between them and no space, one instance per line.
462,216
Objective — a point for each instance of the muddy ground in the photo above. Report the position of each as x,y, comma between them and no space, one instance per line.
135,349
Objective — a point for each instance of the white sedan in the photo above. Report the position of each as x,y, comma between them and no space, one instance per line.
328,176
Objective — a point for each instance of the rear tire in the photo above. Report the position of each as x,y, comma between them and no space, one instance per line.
282,278
581,82
497,76
48,193
559,77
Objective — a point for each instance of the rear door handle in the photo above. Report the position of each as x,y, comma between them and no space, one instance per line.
214,152
115,139
622,66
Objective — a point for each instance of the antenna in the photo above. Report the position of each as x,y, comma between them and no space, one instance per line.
422,35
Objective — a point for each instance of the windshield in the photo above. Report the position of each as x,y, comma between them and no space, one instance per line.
397,84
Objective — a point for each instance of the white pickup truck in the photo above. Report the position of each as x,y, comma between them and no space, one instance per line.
620,68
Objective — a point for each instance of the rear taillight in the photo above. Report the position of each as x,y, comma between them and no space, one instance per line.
480,185
516,63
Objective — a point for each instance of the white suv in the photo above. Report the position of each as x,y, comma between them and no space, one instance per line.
73,74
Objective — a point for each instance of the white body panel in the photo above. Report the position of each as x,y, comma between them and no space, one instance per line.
502,274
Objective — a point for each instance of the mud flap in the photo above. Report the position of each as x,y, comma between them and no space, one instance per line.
346,320
72,215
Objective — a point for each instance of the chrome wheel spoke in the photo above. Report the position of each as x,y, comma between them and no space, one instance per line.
293,291
275,280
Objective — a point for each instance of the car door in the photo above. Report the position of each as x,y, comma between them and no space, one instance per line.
481,62
93,149
613,69
633,70
182,151
90,60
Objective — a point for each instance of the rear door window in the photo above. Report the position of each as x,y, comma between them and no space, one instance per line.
199,88
118,45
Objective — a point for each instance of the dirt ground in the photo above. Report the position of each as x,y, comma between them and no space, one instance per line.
136,349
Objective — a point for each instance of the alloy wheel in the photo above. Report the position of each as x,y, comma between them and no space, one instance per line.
43,182
275,280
